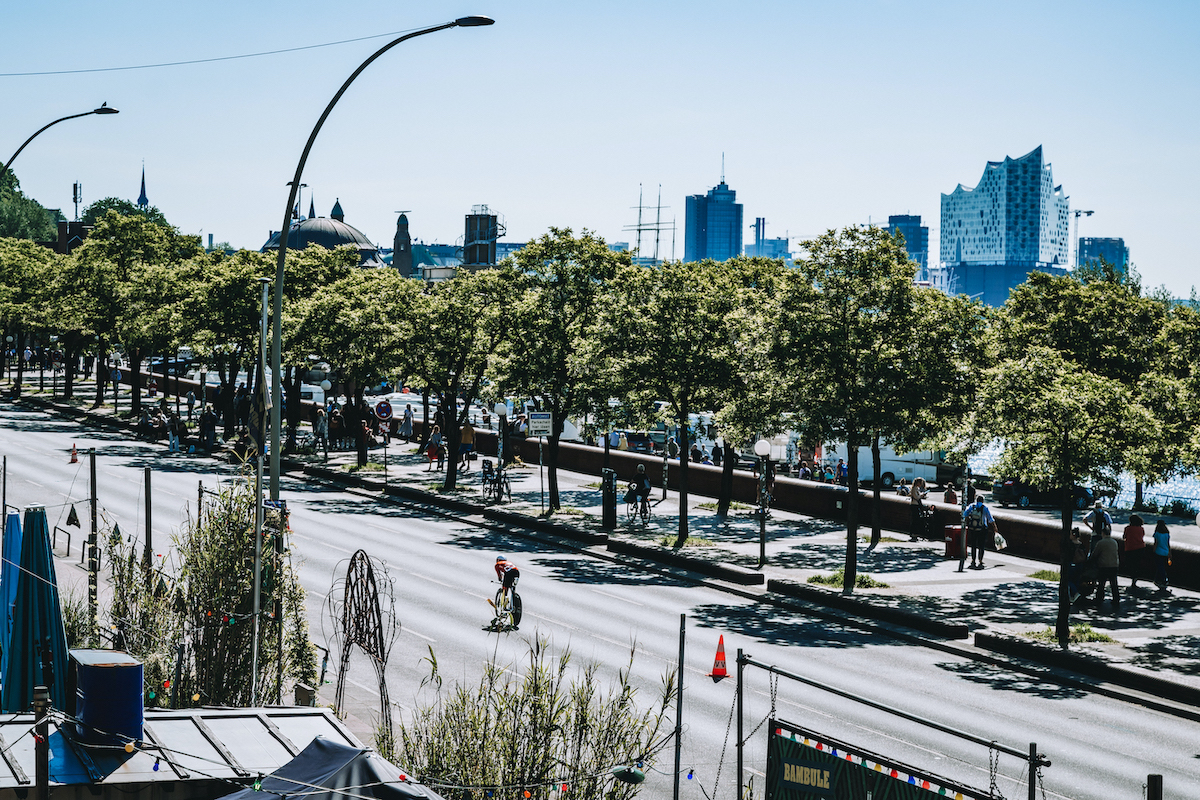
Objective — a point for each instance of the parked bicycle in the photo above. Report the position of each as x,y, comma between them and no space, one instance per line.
495,484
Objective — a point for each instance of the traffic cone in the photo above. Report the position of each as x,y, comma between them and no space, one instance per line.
74,455
718,670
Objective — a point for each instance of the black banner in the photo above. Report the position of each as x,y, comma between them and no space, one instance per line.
801,766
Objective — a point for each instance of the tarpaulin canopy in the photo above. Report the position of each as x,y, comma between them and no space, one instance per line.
327,770
11,554
36,652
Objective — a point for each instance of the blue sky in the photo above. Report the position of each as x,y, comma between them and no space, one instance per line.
829,114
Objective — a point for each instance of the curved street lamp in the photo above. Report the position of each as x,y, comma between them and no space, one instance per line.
103,109
277,304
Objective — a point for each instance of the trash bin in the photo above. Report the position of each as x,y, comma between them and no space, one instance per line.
608,499
953,534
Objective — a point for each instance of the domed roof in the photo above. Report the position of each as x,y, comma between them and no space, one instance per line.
328,233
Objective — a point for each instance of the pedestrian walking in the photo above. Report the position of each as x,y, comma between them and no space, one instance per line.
916,503
1107,561
1098,520
1134,555
1162,555
191,403
978,522
406,425
717,454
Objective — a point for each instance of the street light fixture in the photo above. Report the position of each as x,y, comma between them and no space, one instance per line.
103,109
277,304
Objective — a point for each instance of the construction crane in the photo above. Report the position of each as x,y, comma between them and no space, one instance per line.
1078,214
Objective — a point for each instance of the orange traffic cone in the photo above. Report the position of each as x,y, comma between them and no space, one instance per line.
719,670
74,455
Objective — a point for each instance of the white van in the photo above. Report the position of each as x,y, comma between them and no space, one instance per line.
928,464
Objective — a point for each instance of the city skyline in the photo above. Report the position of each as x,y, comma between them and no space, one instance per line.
555,115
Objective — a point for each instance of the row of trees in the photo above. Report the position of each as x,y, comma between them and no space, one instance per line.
1084,377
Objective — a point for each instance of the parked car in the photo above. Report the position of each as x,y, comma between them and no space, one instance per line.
1011,491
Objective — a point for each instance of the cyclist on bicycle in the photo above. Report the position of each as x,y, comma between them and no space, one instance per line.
508,574
641,484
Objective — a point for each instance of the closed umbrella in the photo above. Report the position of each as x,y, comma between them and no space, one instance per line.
37,650
11,554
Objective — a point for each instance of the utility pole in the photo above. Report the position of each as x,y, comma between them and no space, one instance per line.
148,553
93,559
41,729
679,704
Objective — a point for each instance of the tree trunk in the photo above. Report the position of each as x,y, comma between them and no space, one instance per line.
101,372
20,358
1062,626
684,447
70,361
135,381
427,423
552,466
294,414
851,569
359,429
725,493
451,434
1138,497
876,511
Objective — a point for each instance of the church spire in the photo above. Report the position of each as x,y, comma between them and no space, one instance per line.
312,208
143,201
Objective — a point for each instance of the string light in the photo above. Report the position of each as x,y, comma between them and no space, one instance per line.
691,773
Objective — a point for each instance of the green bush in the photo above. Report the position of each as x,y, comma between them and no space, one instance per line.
861,580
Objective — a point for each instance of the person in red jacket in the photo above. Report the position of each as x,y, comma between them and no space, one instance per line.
507,573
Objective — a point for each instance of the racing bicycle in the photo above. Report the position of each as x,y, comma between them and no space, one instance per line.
635,507
507,608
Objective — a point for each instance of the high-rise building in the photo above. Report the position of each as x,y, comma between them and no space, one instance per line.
767,248
713,225
916,239
1114,251
1012,223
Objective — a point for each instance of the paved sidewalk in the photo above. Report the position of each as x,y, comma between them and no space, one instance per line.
1156,632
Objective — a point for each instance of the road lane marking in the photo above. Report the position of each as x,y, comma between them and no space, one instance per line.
34,483
622,599
423,636
322,543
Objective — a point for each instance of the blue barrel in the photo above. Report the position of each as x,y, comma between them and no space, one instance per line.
108,696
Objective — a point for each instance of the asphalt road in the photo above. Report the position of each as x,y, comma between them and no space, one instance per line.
441,570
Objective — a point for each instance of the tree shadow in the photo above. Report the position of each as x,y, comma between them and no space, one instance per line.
590,571
1177,653
998,678
772,624
501,540
364,507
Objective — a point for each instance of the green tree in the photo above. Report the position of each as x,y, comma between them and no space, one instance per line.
22,217
564,281
842,340
99,209
458,325
358,324
98,275
667,335
25,270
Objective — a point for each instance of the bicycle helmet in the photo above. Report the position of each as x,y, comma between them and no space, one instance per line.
500,558
641,468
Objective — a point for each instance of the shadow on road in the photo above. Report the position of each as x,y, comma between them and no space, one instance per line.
1000,679
774,625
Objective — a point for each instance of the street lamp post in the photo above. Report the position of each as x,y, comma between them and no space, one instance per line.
762,449
277,304
103,109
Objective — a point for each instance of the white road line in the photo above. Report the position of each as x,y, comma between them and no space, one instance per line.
34,483
421,635
622,599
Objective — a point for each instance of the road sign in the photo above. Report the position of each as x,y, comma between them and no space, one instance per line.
540,423
383,410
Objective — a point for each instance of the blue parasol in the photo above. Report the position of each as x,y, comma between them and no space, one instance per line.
37,648
11,553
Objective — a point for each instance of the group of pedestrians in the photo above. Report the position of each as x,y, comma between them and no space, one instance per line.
1098,556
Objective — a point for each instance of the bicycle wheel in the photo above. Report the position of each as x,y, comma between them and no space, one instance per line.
645,511
631,511
503,610
517,609
505,491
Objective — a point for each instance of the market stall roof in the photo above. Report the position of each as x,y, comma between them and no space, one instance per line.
225,747
328,770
